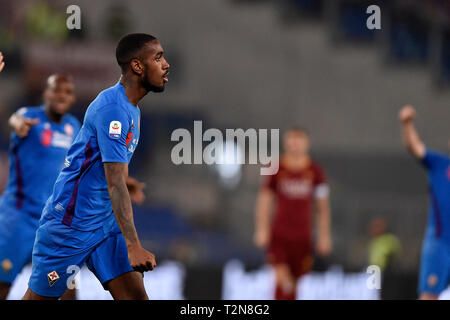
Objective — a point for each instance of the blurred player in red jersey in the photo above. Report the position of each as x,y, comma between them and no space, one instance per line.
288,237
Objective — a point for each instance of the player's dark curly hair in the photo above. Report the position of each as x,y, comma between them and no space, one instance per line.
130,46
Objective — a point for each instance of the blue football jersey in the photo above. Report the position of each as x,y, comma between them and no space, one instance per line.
110,133
438,166
36,160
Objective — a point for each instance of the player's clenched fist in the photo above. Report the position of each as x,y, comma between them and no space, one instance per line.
406,114
140,259
22,126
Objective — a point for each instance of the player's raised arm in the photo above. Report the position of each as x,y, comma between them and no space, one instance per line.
263,214
411,137
21,125
2,64
116,175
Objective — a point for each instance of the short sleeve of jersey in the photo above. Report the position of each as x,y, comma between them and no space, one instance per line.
271,183
433,159
76,126
321,189
24,112
319,176
112,126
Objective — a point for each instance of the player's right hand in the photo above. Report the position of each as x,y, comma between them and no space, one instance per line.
261,239
24,126
140,259
407,113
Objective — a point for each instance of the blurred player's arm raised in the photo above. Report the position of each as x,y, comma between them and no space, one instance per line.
411,137
116,176
21,124
263,215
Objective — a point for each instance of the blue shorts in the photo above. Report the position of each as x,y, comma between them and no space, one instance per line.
59,251
435,266
17,233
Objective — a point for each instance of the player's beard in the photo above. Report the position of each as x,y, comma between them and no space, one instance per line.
56,113
148,86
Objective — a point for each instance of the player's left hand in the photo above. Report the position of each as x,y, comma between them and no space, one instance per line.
136,190
2,64
324,246
140,259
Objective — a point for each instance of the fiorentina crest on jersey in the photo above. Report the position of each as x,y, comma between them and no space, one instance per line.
115,129
52,278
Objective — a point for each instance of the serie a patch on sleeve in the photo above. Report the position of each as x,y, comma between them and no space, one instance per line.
115,129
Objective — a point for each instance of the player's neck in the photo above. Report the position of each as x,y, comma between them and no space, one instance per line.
133,90
57,118
296,162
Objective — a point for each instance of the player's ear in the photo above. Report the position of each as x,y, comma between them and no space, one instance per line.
136,66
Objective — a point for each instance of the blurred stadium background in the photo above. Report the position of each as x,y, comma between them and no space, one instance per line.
257,64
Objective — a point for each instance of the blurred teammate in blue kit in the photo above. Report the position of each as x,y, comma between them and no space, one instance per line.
435,262
89,218
39,143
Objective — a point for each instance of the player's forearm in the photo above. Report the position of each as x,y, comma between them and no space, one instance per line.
123,211
323,223
262,219
116,174
412,140
323,218
263,211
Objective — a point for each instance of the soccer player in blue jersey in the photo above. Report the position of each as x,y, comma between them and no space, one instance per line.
435,265
89,217
39,143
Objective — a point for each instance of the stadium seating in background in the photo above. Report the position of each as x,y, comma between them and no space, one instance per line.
169,236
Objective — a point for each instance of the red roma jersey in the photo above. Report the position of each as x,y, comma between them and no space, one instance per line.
295,193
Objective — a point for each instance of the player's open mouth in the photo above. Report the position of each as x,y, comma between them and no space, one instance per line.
165,77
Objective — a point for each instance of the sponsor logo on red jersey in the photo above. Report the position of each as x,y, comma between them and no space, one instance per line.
296,188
